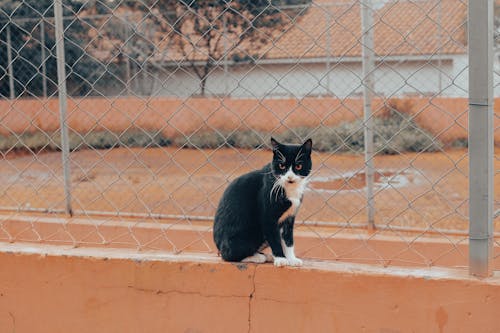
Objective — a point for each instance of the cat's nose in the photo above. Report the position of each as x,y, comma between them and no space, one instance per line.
290,179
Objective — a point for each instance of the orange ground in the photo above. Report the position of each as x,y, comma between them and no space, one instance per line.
155,189
413,190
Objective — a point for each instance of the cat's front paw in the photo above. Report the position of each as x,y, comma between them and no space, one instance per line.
280,261
295,262
269,257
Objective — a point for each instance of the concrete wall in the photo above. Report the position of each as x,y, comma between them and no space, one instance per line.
344,79
55,289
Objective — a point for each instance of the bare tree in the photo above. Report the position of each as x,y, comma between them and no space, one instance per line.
205,32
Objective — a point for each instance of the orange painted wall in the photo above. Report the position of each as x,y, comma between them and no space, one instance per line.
444,117
52,289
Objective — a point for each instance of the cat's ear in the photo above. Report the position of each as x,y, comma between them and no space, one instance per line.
307,146
274,144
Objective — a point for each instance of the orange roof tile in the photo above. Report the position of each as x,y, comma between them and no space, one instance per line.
401,28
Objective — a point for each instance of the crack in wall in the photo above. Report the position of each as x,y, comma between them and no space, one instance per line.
250,297
13,322
197,293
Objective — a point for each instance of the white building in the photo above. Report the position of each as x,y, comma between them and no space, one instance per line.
420,49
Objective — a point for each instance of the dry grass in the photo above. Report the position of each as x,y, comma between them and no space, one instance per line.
394,132
39,141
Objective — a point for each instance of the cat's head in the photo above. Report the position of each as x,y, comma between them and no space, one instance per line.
291,163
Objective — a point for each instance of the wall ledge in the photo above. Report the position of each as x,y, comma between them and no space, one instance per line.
49,288
331,266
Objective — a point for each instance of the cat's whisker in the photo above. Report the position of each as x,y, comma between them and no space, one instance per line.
273,189
280,187
299,155
277,186
271,192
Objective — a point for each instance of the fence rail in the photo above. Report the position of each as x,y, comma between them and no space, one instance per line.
134,116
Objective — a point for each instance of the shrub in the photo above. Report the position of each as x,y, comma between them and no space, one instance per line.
460,143
201,140
247,139
346,137
397,132
38,141
394,132
26,141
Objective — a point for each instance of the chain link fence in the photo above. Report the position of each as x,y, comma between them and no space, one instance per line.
167,102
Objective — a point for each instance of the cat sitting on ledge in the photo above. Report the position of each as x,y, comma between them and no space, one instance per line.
258,209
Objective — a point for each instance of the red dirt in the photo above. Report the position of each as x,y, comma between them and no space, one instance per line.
356,181
426,190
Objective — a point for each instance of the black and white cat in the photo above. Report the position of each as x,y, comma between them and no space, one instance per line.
258,209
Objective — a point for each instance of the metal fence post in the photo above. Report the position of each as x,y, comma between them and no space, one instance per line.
44,59
127,61
61,86
440,46
328,37
368,56
9,64
480,137
226,70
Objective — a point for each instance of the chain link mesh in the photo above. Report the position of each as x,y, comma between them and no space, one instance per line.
170,101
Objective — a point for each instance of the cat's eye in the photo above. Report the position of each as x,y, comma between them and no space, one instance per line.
298,167
281,166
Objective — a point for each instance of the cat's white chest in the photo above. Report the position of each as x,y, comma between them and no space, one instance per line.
294,193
